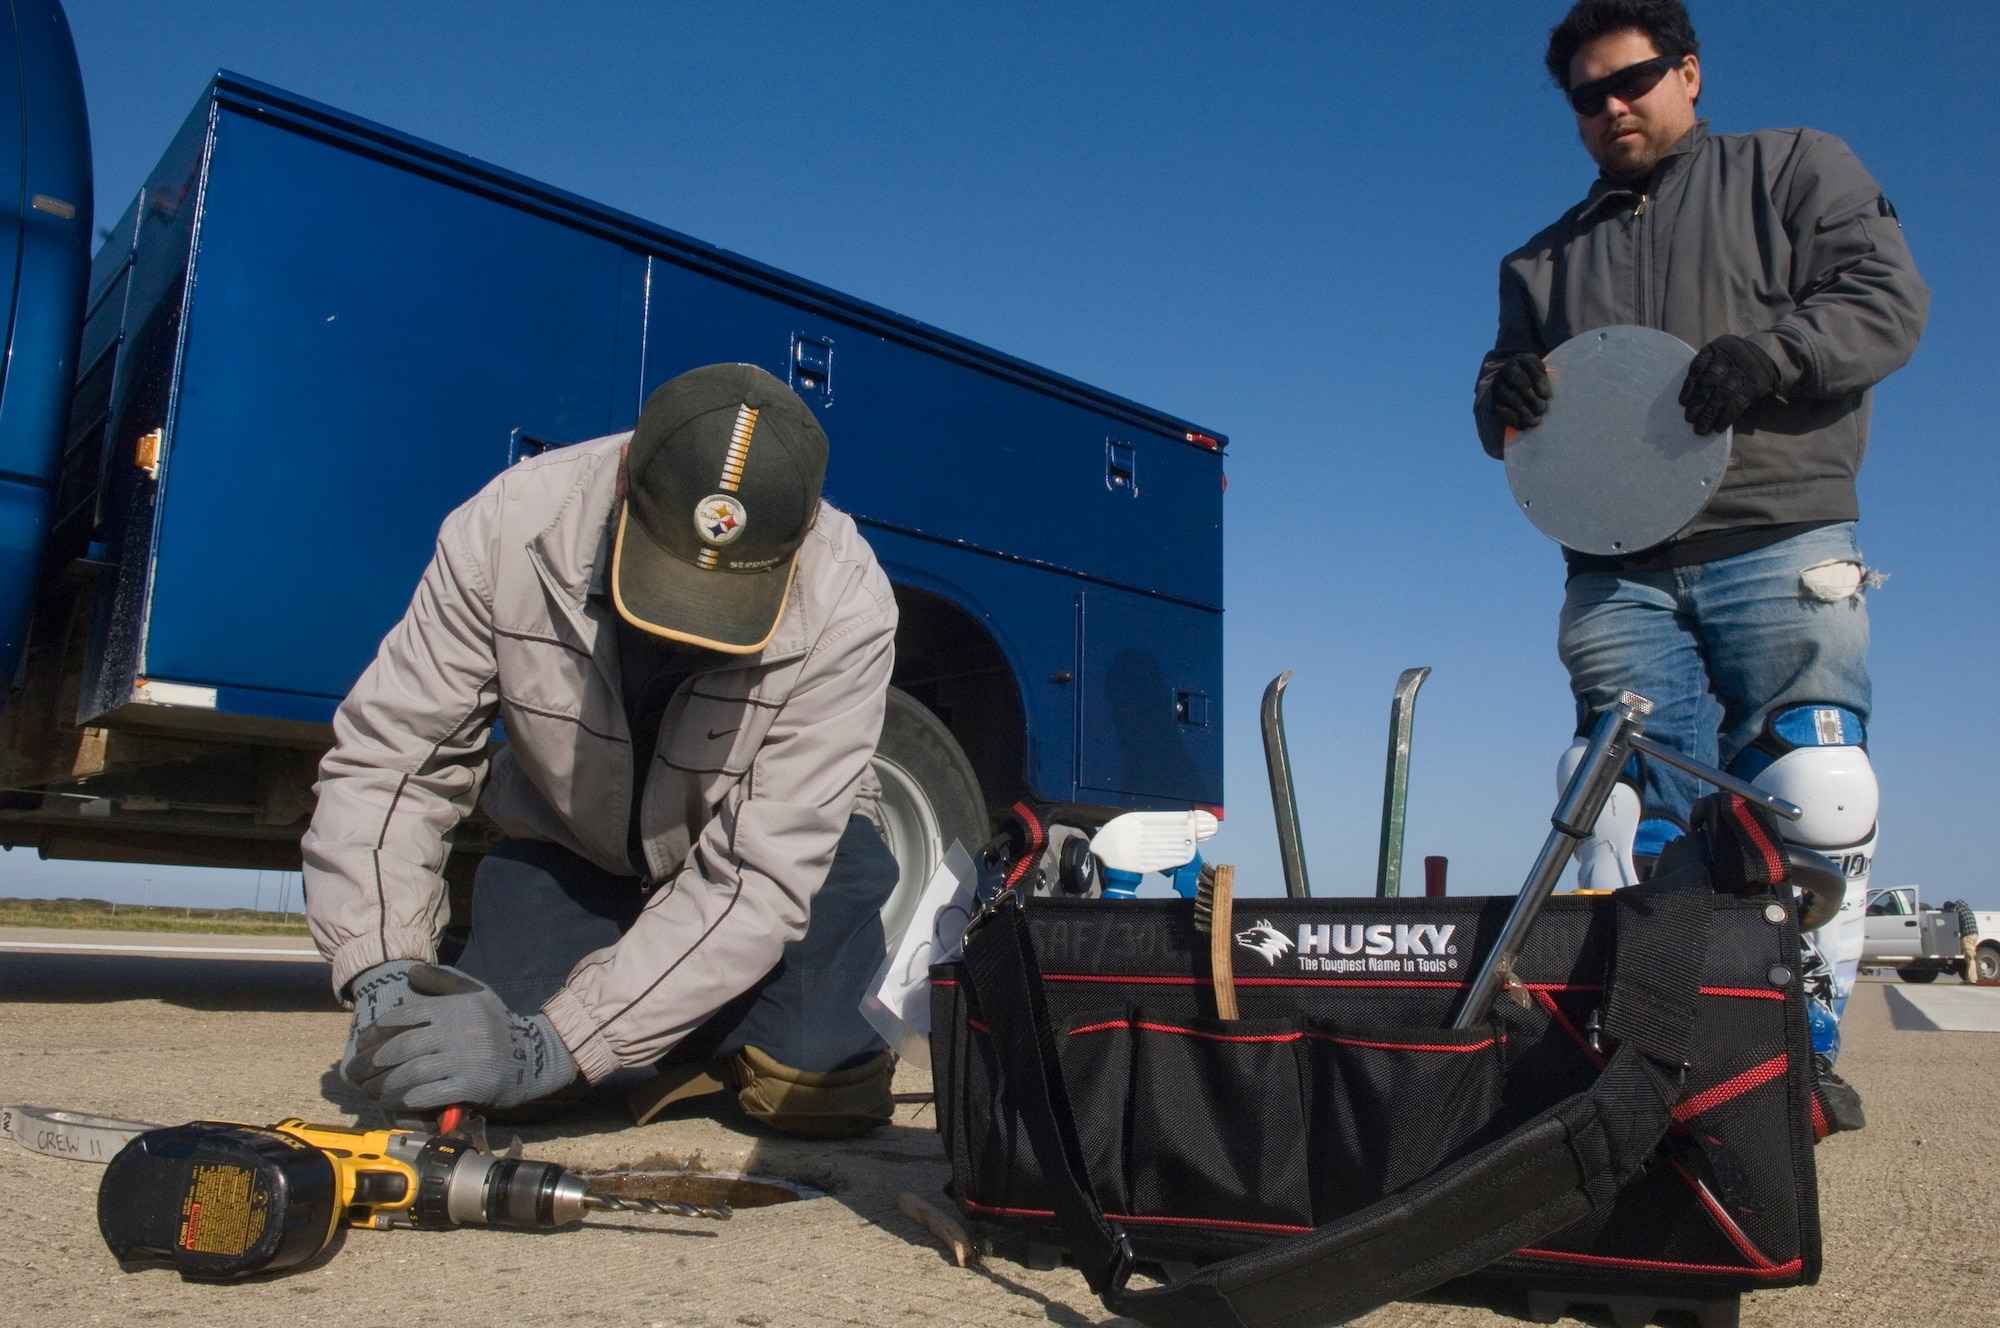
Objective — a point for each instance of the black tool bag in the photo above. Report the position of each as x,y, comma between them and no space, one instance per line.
1636,1117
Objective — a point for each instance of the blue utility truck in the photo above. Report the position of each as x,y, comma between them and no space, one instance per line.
309,337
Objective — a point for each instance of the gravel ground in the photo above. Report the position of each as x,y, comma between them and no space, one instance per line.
1910,1208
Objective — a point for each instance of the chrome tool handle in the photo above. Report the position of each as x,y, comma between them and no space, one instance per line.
1278,761
1396,783
1576,813
1726,782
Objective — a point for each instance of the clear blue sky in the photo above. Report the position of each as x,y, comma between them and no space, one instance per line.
1282,222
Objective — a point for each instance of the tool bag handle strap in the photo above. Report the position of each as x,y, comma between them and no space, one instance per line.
1543,1176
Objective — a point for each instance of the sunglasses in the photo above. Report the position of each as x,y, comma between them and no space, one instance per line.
1627,84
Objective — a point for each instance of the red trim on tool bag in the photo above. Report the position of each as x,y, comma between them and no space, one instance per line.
1345,982
1151,1027
1406,1046
944,982
978,1026
1155,980
1146,979
1725,1221
1281,1228
1037,837
1711,1098
1774,861
1548,1003
1745,993
1539,988
1606,1261
1820,1128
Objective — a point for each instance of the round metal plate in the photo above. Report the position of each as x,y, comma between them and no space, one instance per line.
1614,467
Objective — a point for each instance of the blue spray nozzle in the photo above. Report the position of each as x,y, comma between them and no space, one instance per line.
1120,884
1186,878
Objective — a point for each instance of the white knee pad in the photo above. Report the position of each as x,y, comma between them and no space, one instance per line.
1604,861
1835,784
1836,787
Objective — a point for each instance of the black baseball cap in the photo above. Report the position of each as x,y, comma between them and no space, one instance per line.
722,481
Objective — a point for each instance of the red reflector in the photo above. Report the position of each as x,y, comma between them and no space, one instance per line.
1216,812
1207,440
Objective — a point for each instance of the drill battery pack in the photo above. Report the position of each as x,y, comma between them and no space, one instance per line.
218,1201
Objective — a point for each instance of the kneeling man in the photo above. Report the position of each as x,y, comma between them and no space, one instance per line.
688,652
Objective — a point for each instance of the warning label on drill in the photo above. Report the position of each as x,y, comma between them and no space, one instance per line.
223,1212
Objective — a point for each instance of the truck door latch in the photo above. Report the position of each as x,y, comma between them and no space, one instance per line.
1120,475
812,368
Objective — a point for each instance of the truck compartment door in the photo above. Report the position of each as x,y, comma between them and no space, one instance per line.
366,347
1149,701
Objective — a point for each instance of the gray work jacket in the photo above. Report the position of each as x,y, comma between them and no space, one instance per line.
759,762
1781,237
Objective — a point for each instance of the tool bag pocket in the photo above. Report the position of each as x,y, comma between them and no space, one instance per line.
1267,1127
1196,1121
1391,1105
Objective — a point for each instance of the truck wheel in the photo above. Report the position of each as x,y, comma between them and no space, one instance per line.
1914,974
930,797
1988,962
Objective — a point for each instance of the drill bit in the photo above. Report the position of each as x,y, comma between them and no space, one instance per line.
610,1203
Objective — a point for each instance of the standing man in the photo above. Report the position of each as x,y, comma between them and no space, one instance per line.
1778,257
690,652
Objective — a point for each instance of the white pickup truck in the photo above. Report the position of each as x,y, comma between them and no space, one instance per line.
1920,942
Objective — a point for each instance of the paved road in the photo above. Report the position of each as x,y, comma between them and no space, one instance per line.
1912,1224
162,944
1945,1007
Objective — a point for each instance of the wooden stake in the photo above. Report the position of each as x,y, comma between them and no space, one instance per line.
946,1228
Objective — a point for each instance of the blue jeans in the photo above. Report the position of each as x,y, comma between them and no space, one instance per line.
1717,648
537,909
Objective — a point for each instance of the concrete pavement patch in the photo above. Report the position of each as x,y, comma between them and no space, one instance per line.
1936,1009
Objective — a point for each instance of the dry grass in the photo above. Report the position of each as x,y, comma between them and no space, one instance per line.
97,915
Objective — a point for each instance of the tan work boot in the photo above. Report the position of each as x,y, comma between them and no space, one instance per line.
829,1104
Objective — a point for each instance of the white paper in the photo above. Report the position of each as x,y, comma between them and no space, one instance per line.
898,1004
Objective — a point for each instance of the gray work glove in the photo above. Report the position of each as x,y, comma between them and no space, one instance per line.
1521,391
1728,376
454,1040
376,991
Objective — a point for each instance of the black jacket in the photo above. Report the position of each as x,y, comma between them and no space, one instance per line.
1780,236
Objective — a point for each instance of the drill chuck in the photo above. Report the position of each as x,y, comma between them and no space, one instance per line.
457,1186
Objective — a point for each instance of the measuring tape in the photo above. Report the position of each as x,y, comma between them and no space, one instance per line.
69,1134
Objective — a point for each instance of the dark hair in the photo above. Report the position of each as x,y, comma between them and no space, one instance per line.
1666,22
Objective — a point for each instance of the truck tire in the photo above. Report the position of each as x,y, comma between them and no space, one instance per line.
1988,961
1912,973
930,797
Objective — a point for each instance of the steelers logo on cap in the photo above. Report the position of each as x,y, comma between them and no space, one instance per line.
719,518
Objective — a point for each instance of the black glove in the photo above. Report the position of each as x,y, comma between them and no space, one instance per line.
453,1040
1728,376
1521,391
376,991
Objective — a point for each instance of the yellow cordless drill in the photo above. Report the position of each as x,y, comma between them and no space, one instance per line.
219,1201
